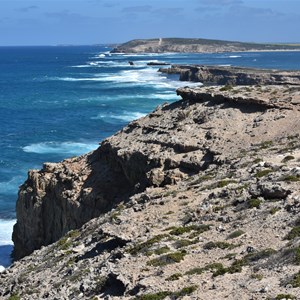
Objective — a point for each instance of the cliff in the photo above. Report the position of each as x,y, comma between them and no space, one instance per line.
196,46
199,199
232,75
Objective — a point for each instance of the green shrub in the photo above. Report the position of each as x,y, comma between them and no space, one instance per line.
170,258
295,282
14,297
227,87
294,233
184,243
173,295
185,291
156,296
197,228
145,246
174,277
288,158
291,178
285,296
263,173
254,202
235,234
265,253
223,183
274,210
220,245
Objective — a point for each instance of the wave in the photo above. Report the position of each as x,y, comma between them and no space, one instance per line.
70,148
234,56
125,116
134,77
6,244
76,79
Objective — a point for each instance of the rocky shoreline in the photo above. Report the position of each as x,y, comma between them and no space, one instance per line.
222,75
199,199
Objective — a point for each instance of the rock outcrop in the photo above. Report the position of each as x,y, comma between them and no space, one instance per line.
195,46
200,199
232,75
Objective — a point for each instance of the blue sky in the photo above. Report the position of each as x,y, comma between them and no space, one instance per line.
43,22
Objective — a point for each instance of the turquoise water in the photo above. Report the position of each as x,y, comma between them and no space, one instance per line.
57,102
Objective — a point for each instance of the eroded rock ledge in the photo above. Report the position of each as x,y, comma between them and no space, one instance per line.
233,75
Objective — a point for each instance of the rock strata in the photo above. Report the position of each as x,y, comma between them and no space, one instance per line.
200,199
233,75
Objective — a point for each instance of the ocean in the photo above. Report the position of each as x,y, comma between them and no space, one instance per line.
57,102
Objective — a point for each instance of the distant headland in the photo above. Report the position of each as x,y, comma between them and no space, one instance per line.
188,45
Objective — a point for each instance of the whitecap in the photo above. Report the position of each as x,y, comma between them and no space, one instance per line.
76,79
81,66
234,56
69,148
134,77
125,116
101,55
171,96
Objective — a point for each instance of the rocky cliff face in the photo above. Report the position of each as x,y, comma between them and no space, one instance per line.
232,75
204,190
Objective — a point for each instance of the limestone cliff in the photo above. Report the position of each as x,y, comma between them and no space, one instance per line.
232,75
199,199
187,45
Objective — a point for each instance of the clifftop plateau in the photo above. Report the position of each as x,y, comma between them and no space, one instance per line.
200,199
196,46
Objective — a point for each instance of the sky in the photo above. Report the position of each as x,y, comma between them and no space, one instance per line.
85,22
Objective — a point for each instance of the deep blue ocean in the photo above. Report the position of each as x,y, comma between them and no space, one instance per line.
57,102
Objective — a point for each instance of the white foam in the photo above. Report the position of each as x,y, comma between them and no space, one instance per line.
76,79
171,96
101,55
81,66
70,148
6,244
126,116
134,77
234,56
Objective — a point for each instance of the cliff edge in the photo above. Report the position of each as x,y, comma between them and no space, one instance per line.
199,199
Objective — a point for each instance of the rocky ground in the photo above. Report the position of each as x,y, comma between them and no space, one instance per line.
202,201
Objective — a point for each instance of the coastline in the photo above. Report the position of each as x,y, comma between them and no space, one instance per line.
167,176
197,170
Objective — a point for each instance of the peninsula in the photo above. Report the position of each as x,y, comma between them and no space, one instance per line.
161,45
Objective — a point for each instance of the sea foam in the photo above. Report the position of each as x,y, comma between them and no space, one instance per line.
125,116
68,148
